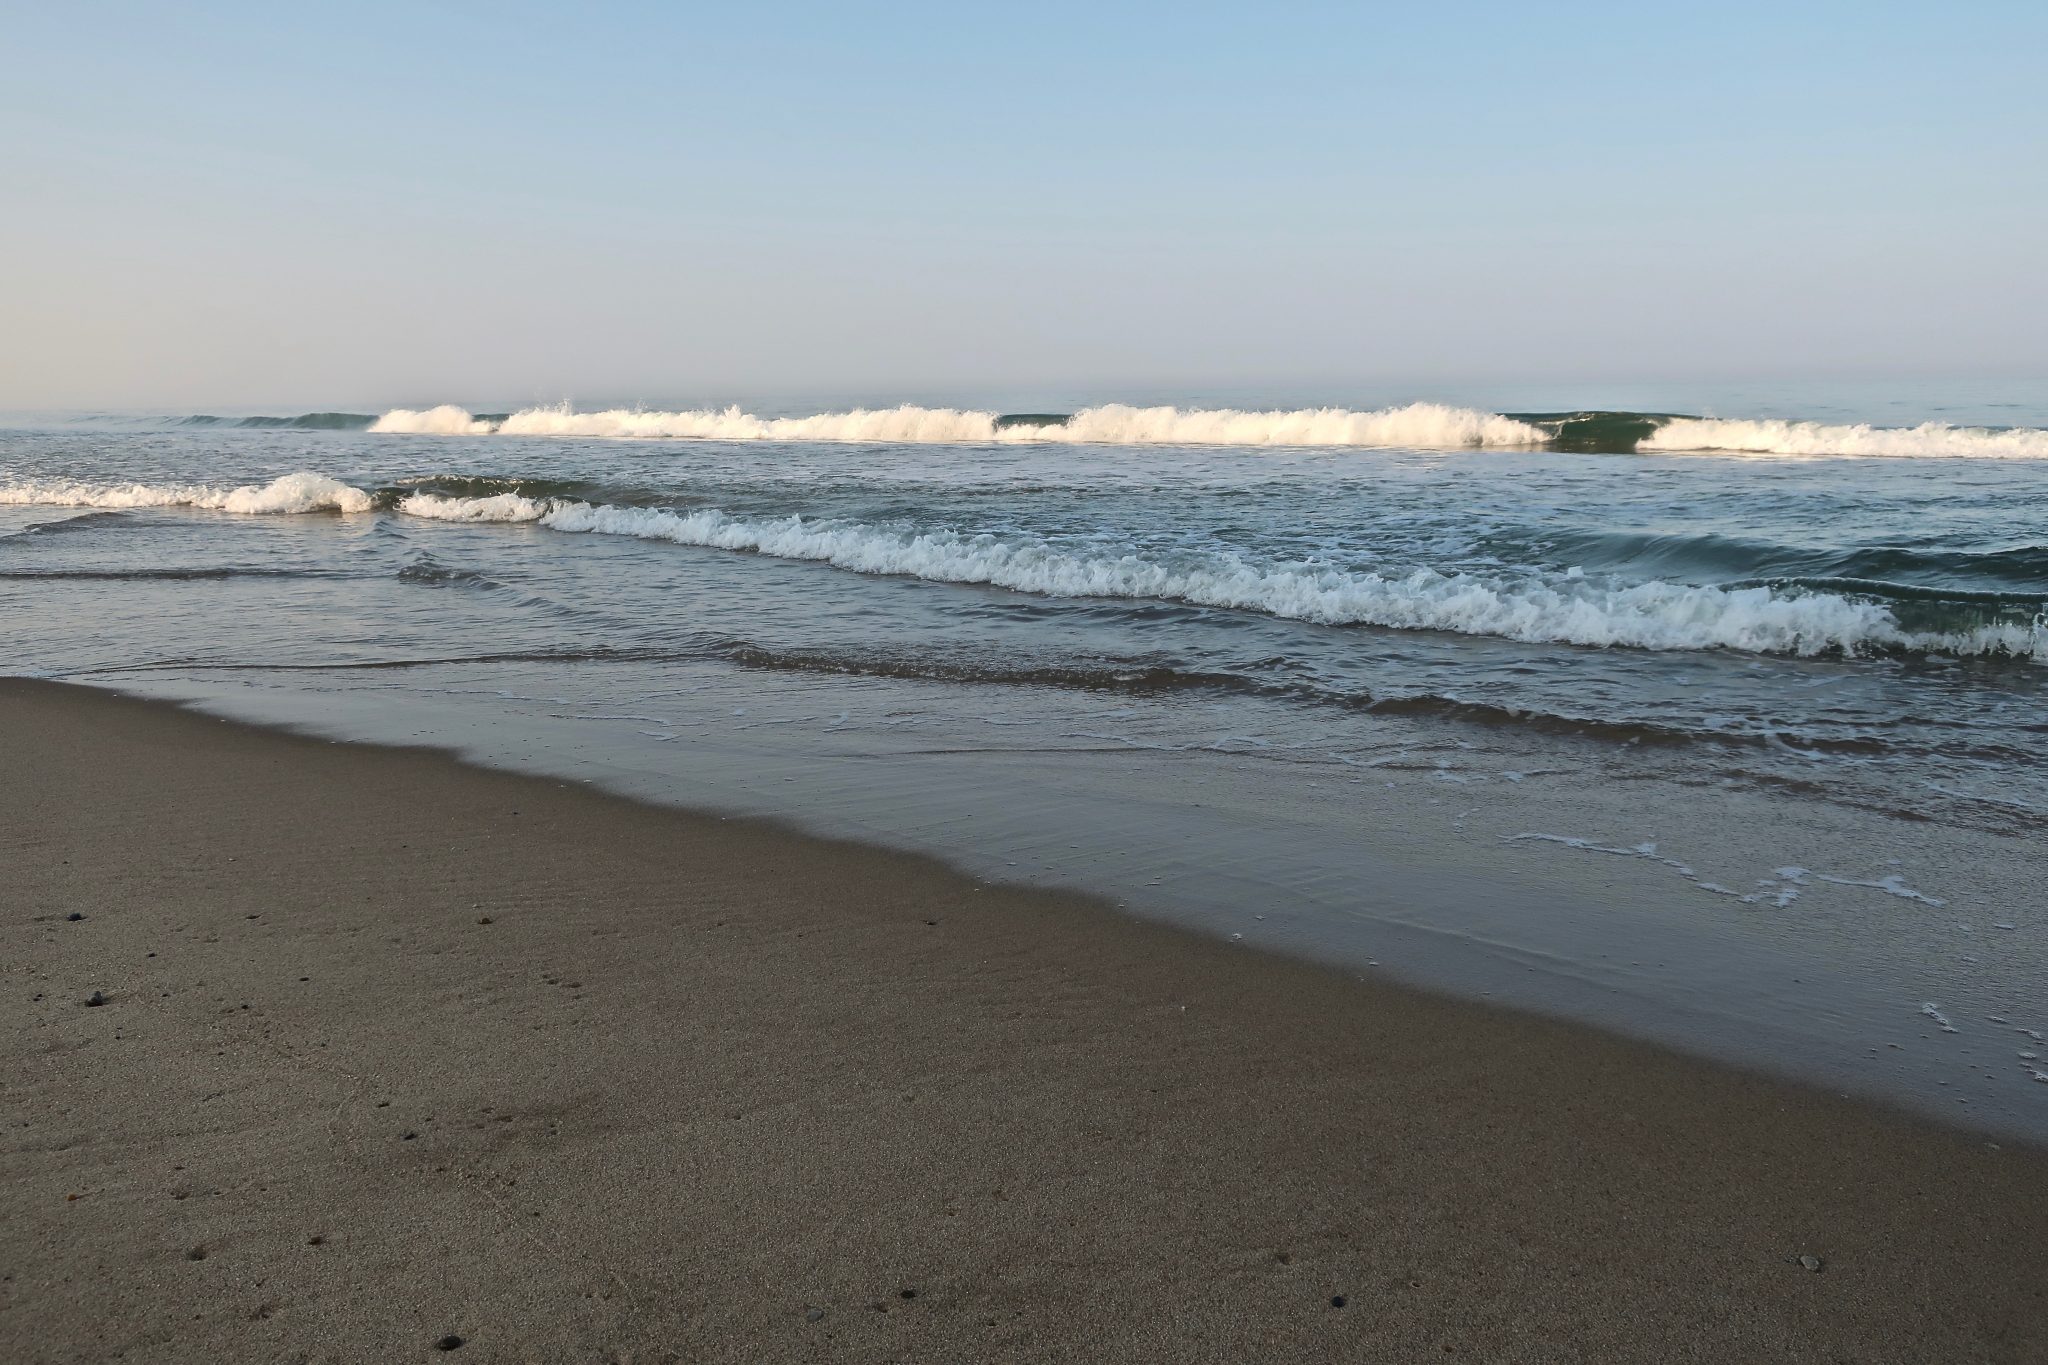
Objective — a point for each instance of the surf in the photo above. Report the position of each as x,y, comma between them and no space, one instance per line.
1428,425
1421,426
1569,608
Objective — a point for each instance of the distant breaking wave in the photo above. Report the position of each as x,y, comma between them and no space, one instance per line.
1421,426
1814,438
1655,615
1428,425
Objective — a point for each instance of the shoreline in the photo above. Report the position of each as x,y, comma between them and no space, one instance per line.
1607,902
562,1073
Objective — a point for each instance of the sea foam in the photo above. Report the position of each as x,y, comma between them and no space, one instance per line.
498,507
1815,439
445,420
1581,611
1426,425
301,492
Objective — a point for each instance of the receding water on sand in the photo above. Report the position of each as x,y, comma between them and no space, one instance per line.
1792,935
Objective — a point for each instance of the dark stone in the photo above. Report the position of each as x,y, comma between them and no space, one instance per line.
74,917
448,1343
1336,1301
196,1254
96,999
910,1293
815,1315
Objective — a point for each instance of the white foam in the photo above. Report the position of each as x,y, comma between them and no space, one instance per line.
1425,425
1891,886
1781,889
1583,611
1430,425
904,424
1933,1011
302,492
499,507
1816,439
446,420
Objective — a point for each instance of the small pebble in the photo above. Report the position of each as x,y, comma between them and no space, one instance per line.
1336,1301
1810,1262
96,999
74,917
451,1341
814,1315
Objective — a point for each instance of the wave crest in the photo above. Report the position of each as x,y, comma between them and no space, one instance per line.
1428,425
291,493
497,507
1816,438
1574,610
446,420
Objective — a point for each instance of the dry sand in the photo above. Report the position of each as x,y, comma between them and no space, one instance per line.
394,1050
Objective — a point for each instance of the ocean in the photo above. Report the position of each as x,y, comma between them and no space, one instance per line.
1719,730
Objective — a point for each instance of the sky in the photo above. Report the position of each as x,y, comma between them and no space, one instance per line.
271,207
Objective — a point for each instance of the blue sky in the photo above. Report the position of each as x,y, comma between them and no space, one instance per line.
239,205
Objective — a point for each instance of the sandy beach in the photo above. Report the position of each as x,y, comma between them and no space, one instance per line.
321,1052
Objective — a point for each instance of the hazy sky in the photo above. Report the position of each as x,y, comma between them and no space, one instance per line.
251,207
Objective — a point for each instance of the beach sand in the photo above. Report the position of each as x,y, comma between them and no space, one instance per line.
394,1050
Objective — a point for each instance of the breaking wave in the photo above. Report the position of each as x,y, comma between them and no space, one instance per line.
445,420
1423,426
497,507
302,492
1429,425
1569,609
1815,438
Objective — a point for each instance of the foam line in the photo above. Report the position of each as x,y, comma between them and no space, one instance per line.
302,492
1428,425
1569,610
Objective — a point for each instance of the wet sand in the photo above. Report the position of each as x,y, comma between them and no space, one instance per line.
395,1051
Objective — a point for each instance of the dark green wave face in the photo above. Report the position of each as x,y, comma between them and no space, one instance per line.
305,421
1595,432
1591,432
